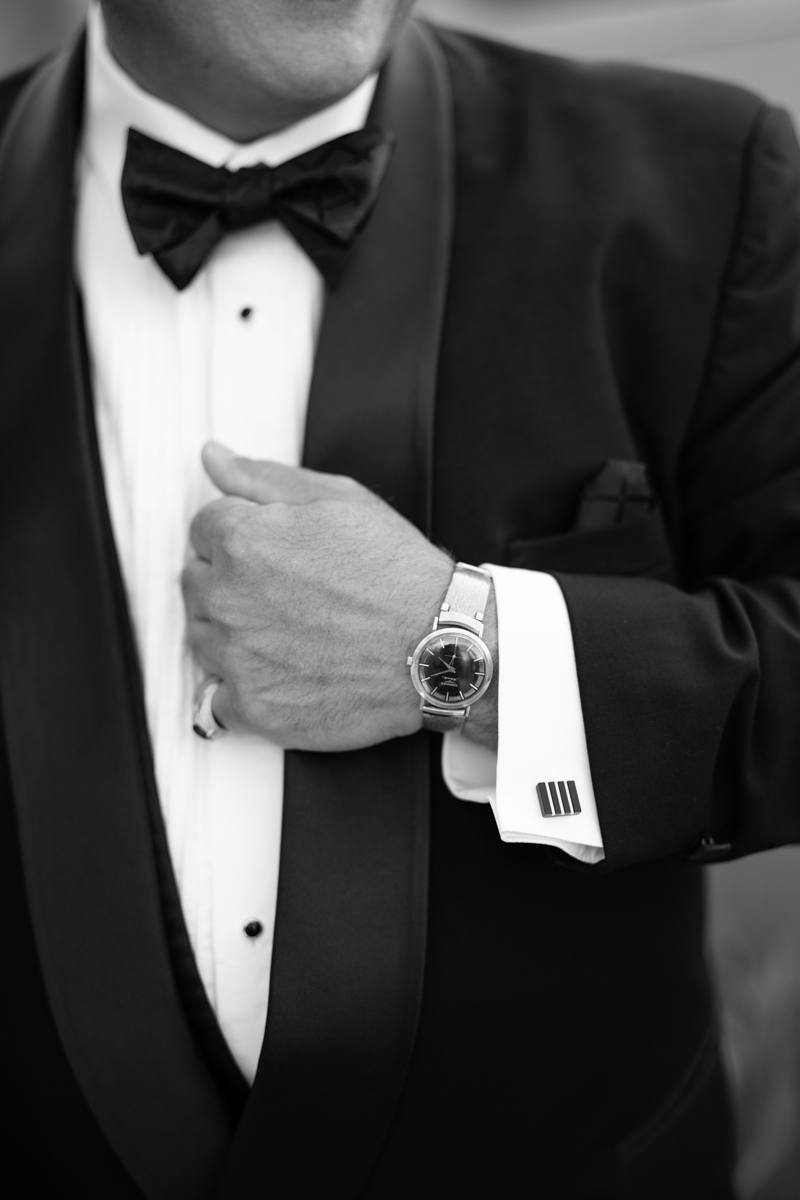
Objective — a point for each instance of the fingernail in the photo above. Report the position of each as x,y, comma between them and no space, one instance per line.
220,450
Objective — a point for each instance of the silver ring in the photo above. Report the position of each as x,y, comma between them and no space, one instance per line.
204,723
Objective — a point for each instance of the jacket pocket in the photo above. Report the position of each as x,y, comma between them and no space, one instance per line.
687,1147
639,548
678,1103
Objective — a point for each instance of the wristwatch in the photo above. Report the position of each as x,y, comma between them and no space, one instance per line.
452,666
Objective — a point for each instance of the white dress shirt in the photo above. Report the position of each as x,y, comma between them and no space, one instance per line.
230,358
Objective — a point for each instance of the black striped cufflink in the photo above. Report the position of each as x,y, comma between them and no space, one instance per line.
558,799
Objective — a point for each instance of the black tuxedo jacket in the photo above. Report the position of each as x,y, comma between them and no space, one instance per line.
568,265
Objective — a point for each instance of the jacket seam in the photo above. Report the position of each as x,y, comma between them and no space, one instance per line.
737,237
681,1098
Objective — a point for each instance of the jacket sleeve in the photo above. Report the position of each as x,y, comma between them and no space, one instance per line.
691,696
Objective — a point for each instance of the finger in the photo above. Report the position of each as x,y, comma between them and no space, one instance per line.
221,712
203,645
222,709
195,582
211,524
267,482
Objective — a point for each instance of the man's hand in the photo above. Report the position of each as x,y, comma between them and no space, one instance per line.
307,595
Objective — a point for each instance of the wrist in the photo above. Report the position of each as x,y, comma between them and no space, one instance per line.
481,724
452,666
431,595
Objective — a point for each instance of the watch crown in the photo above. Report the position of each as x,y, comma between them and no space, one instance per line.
409,661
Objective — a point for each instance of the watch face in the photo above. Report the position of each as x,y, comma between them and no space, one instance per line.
452,668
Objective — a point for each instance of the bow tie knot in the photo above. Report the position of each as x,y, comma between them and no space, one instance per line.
245,197
179,208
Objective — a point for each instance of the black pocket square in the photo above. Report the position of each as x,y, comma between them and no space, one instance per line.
618,530
619,493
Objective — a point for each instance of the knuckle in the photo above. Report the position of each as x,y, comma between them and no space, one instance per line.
190,577
216,604
232,535
197,528
345,485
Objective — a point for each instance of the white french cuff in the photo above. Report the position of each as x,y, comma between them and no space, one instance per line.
541,736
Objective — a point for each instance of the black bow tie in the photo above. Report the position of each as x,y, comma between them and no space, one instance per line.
179,209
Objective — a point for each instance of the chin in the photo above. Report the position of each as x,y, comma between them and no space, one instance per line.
248,67
317,74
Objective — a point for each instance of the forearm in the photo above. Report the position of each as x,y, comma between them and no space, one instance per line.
690,706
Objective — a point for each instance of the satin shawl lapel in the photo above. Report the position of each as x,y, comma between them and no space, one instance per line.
70,696
350,933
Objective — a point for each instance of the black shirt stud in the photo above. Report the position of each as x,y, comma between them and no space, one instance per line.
254,929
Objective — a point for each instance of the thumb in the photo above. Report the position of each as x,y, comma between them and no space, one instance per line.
267,482
233,474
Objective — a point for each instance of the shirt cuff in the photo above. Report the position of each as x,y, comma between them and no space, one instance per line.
541,736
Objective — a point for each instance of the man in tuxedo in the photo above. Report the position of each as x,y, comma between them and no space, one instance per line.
418,298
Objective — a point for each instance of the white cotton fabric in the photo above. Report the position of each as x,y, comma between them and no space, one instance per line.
172,370
541,736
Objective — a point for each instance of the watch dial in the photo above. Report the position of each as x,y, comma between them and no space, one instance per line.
452,669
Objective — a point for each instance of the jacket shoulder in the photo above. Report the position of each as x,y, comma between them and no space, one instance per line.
606,102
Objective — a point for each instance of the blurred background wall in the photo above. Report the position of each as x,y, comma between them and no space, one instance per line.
754,937
756,42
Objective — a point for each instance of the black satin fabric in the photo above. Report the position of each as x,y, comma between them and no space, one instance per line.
350,931
623,287
179,208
